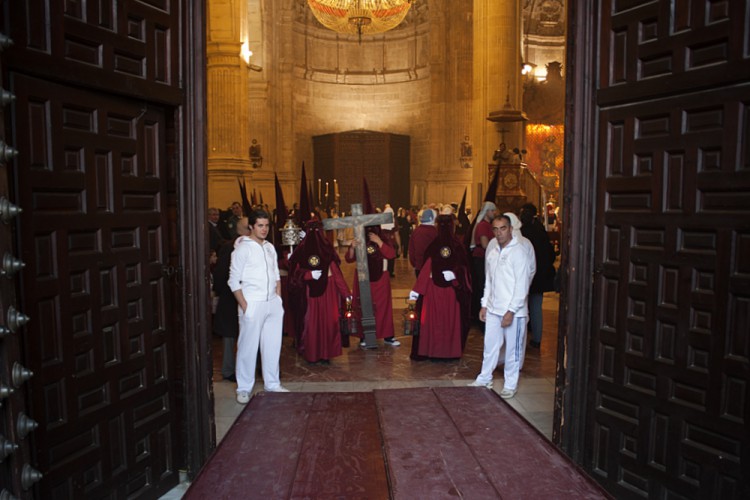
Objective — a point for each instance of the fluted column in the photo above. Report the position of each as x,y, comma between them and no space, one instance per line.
227,103
497,74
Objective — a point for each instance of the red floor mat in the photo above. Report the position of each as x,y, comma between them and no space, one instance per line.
434,443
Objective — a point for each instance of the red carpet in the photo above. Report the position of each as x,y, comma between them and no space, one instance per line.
448,442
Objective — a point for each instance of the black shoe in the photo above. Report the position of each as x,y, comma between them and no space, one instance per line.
231,378
534,344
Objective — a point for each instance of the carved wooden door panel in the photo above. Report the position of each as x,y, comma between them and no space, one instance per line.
97,86
92,174
670,396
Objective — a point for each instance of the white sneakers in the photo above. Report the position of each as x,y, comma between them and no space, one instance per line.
507,393
243,397
476,383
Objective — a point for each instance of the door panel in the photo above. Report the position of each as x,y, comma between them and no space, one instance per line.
669,398
95,239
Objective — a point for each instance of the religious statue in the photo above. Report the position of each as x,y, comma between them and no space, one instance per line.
255,155
502,155
466,149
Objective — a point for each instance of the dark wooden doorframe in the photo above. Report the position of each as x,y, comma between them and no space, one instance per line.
192,182
652,393
186,213
576,264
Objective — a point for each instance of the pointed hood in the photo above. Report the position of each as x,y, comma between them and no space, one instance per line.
491,193
463,219
246,206
304,201
281,211
367,206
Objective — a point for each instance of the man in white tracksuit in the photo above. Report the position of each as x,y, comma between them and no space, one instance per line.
254,279
508,274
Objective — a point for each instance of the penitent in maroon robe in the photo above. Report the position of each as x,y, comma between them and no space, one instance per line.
443,305
440,321
321,336
380,288
315,303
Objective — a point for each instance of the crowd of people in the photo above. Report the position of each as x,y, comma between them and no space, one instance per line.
492,273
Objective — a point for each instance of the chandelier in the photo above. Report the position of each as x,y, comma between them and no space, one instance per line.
360,17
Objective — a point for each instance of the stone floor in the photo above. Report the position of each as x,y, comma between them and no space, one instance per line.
390,367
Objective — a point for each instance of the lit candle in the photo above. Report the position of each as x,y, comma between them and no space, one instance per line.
335,188
319,184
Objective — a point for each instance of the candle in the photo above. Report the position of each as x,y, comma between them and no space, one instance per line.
319,184
326,190
335,188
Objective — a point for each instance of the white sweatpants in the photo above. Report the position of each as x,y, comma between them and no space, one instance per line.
514,339
260,326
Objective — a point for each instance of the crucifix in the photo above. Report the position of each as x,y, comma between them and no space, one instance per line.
358,221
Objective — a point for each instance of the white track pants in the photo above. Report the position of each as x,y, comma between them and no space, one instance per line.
260,326
495,337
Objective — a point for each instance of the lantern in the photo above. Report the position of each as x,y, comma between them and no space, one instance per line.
347,321
411,318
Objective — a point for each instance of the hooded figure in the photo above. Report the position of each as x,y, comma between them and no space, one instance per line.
421,238
444,289
481,236
316,290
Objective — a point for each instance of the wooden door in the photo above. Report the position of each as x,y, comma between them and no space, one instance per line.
104,176
14,445
659,125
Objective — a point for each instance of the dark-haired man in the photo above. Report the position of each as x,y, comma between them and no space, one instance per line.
254,279
504,306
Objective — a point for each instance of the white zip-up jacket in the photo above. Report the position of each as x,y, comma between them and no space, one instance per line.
254,269
508,275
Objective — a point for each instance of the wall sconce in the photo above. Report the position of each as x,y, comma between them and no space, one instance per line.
256,159
246,54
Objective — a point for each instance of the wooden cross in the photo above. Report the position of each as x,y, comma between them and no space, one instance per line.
358,221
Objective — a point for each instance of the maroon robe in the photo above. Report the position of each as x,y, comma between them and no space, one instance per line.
440,321
380,288
314,304
321,335
443,306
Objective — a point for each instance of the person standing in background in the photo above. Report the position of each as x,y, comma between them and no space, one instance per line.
544,278
480,238
403,222
225,320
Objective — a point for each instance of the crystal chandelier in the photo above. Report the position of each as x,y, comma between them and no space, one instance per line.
360,17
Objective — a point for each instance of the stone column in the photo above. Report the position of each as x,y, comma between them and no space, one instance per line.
497,74
226,103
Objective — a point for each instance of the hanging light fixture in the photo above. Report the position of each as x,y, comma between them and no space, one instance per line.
360,17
